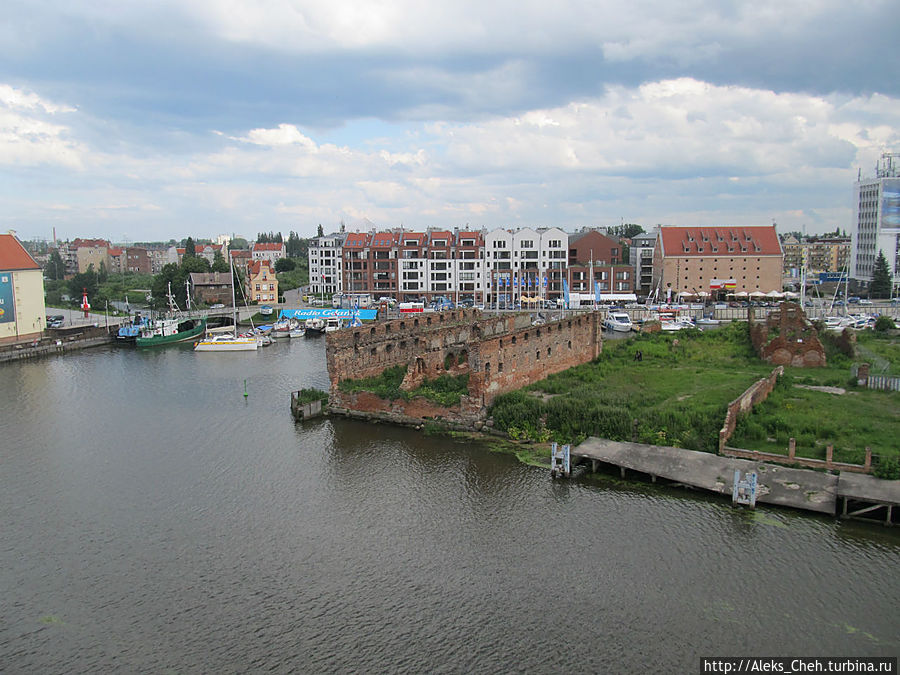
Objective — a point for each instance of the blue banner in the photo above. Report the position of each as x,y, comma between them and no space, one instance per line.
566,292
597,292
364,314
7,307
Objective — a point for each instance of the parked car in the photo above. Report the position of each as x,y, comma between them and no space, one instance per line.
55,320
865,301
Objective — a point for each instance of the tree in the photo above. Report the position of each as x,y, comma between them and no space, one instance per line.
56,268
238,243
881,278
189,249
219,264
284,265
85,282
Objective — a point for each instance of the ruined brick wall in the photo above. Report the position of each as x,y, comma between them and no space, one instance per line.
787,338
757,393
500,354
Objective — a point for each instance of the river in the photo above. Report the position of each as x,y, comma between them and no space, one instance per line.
157,520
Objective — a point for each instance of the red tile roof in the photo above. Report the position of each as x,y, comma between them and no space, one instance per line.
720,241
13,255
268,247
241,253
89,243
384,239
114,251
255,266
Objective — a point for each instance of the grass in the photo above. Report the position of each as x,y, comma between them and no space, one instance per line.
816,419
309,395
445,390
676,395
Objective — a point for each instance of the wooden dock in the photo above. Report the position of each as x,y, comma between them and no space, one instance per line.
783,486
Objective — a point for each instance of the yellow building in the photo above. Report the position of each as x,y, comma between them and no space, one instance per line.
22,315
261,282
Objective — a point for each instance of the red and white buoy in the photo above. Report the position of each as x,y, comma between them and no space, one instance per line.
85,305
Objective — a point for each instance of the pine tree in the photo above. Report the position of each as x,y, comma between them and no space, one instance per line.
881,278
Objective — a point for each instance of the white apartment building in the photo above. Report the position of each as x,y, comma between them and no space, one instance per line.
876,220
325,264
640,255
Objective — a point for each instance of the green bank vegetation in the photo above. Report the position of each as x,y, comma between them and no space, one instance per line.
444,390
678,394
305,396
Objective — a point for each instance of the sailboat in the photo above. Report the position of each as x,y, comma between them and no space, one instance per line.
170,329
228,342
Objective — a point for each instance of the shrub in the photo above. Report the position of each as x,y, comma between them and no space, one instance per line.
887,468
884,323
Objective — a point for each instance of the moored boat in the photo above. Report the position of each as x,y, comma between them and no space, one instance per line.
315,326
619,322
166,331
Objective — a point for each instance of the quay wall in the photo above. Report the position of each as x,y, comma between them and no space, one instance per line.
90,336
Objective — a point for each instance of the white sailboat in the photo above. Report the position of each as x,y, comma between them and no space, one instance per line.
228,342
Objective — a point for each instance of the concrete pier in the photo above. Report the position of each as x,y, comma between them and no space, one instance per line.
796,488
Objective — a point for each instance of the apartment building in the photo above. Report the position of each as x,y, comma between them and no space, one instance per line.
326,264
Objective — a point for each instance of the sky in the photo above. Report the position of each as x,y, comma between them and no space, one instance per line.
149,120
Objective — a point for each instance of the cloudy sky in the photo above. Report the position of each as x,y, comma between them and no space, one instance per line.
145,120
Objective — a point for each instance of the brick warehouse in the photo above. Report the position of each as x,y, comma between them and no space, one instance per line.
500,353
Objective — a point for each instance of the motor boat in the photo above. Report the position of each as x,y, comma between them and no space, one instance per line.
619,322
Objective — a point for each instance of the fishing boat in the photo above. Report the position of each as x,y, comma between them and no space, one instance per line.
166,331
231,341
128,332
174,327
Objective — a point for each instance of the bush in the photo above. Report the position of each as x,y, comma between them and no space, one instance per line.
884,323
887,468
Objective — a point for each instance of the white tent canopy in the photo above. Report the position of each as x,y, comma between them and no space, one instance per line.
774,294
757,294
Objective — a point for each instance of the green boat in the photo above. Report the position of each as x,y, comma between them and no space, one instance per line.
167,331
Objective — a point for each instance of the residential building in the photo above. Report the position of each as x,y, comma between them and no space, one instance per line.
819,254
22,311
876,220
137,261
640,255
326,264
211,287
262,286
90,252
710,259
268,251
595,263
241,258
116,257
412,266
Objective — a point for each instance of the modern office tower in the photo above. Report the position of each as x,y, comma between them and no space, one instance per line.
876,220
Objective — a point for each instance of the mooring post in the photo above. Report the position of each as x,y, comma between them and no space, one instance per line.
868,464
829,455
792,448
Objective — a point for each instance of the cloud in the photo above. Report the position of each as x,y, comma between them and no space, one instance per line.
28,138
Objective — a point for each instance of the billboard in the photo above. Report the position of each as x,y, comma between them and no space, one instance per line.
7,306
890,203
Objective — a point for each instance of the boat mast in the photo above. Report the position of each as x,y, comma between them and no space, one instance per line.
233,302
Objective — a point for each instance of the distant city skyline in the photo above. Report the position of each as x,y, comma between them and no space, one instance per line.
158,121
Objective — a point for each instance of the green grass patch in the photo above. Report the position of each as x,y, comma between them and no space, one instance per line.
309,395
445,390
676,395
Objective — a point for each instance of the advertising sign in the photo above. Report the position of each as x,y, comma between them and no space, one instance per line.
890,203
364,314
7,307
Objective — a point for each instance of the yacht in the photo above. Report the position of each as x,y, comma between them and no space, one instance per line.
619,322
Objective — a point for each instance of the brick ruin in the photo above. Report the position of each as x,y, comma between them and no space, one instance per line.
787,338
500,354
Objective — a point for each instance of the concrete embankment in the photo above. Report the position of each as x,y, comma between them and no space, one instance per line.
90,337
784,486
